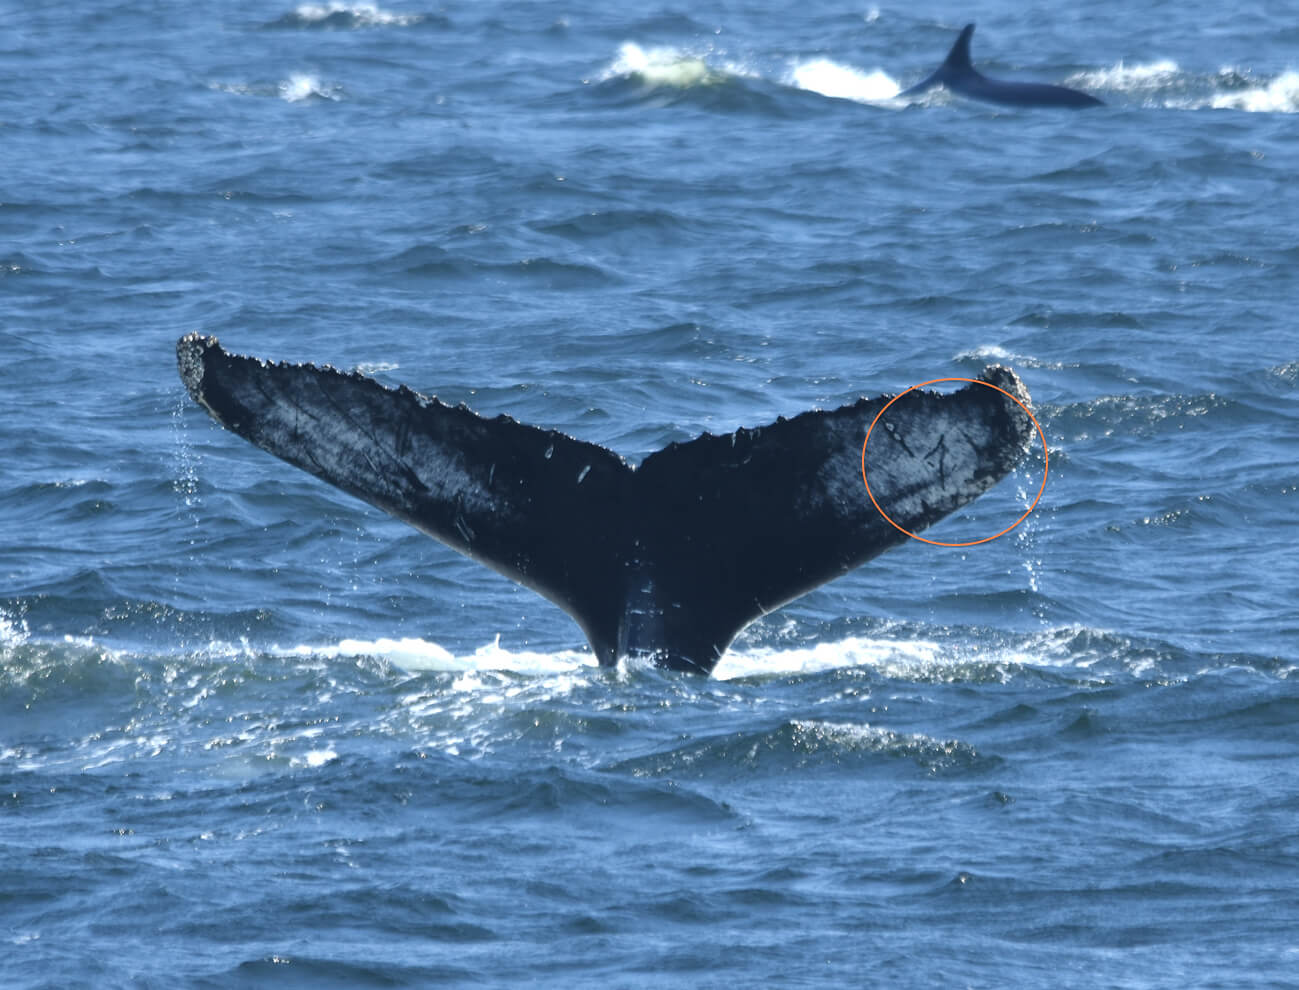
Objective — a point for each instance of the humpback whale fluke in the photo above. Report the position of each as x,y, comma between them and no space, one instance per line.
958,74
669,559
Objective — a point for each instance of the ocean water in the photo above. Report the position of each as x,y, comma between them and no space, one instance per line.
253,732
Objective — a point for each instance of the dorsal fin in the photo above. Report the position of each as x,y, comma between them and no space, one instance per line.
959,57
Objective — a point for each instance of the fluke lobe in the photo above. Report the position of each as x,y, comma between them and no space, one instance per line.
669,559
958,74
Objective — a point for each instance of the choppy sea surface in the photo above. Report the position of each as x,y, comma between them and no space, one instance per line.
253,732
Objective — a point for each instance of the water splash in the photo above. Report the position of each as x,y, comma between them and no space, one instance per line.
1121,77
1281,95
347,16
684,69
297,88
185,459
420,655
13,630
843,82
304,86
1164,83
665,66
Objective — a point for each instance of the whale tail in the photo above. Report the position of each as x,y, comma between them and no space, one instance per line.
669,559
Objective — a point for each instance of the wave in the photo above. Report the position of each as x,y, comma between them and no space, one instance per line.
421,655
297,88
997,354
901,652
675,68
345,16
427,261
13,631
1158,84
1122,77
1164,84
667,66
1281,95
801,745
1140,416
240,712
412,654
946,655
843,82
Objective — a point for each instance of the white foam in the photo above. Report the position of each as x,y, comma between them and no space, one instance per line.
988,352
418,654
413,655
1281,95
843,82
1142,76
996,354
665,66
852,652
13,632
889,655
361,14
296,88
303,86
314,758
376,367
1166,84
682,68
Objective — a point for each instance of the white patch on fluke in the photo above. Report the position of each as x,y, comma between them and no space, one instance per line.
441,470
924,464
839,481
343,443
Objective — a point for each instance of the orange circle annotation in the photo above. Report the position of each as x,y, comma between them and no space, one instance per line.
971,543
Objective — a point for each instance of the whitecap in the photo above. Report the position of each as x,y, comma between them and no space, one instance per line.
843,82
376,367
882,654
892,655
987,352
303,86
1281,95
412,654
314,758
353,15
995,353
1123,77
664,66
13,632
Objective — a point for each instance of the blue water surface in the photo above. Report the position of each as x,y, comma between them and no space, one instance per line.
252,732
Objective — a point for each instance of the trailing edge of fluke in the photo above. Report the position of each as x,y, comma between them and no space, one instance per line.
669,559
